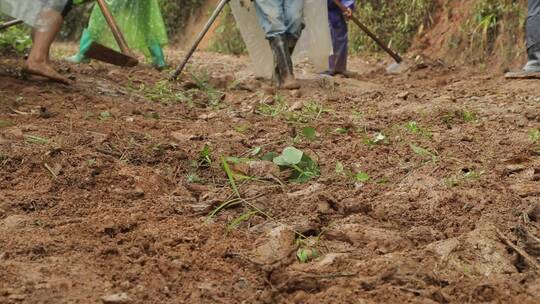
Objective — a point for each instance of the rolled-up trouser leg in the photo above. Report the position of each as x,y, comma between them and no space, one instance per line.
271,17
294,17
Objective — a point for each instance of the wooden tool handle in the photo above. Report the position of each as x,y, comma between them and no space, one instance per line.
114,26
10,24
364,28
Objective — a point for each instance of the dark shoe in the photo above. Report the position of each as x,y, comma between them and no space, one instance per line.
531,70
347,74
284,74
522,75
84,45
158,58
328,73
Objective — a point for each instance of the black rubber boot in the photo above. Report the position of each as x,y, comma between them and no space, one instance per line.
284,75
291,43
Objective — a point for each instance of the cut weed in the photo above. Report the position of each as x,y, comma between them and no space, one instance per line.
424,153
414,128
275,108
37,140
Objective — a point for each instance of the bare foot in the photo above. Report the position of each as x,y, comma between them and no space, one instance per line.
44,70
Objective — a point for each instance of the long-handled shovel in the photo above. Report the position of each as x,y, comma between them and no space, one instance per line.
396,67
108,55
205,30
368,32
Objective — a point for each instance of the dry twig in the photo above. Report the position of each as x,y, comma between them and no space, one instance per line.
529,259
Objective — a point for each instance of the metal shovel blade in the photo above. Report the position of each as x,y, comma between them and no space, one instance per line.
102,53
398,68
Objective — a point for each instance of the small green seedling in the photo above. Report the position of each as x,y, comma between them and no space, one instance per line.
534,135
205,156
422,152
214,96
378,139
358,177
5,123
414,128
304,168
275,109
361,177
244,217
306,255
105,115
341,130
468,116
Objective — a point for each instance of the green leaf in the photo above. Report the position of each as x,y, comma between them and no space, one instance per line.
270,156
362,177
305,255
205,156
412,126
289,156
304,168
230,176
309,133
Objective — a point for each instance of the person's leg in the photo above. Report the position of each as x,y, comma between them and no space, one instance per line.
271,17
158,58
340,41
294,17
49,24
532,68
533,37
84,46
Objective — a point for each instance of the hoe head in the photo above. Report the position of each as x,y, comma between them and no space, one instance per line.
108,55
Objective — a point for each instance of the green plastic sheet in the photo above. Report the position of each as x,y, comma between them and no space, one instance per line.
140,21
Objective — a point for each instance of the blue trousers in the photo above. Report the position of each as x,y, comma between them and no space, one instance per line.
340,35
533,25
281,17
340,41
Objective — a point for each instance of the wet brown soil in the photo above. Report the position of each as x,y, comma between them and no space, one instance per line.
104,195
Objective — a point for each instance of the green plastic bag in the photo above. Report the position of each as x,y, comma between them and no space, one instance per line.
140,21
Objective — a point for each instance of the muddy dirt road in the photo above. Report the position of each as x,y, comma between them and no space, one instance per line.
427,180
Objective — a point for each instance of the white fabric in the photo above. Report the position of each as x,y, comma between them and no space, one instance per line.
29,10
315,42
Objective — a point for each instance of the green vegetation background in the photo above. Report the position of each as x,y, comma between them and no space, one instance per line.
395,21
